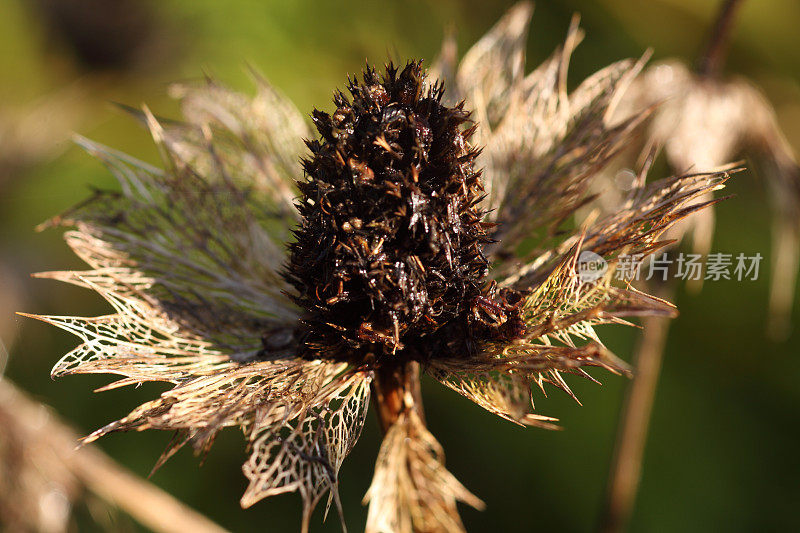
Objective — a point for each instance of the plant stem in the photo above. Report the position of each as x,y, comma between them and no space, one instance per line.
711,61
634,421
626,463
395,389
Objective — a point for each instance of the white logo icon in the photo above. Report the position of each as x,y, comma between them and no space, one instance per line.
591,266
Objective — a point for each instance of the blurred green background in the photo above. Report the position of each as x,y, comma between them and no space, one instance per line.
723,450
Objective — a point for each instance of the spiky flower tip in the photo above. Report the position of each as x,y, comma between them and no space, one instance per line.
405,258
388,262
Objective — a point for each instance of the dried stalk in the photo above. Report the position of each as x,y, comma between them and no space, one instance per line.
626,465
146,503
395,390
713,57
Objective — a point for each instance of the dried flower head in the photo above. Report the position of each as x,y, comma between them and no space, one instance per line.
703,121
388,264
405,258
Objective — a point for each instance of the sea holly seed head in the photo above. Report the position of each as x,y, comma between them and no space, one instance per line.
388,258
387,274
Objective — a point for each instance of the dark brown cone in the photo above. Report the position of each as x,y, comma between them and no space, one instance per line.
388,258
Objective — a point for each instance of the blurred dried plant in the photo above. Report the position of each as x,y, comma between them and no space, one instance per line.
702,120
44,479
10,298
38,132
404,258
